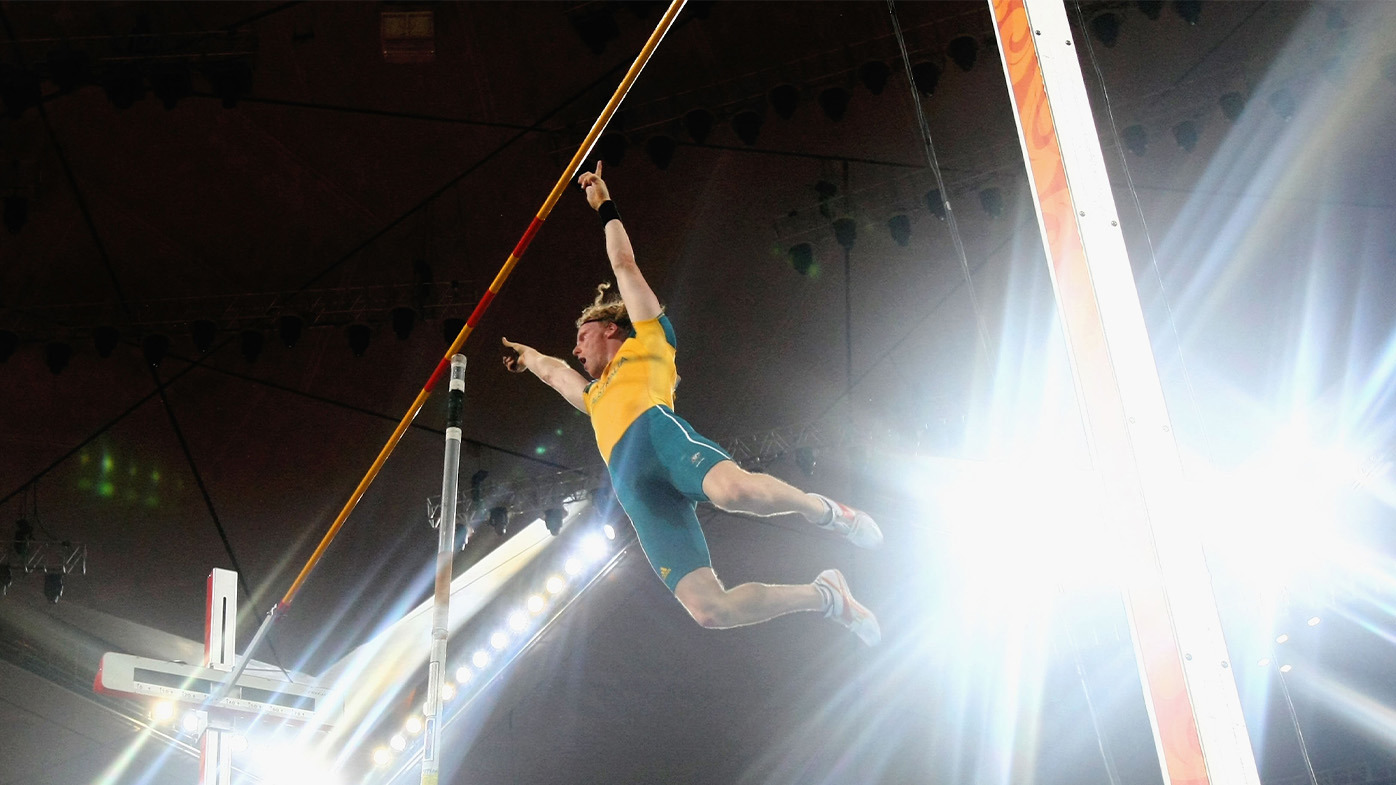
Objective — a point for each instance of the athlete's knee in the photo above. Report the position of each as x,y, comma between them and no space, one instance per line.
710,612
729,486
703,596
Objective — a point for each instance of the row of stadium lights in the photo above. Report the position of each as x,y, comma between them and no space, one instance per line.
1282,638
594,548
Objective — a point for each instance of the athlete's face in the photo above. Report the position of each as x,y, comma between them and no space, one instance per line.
595,346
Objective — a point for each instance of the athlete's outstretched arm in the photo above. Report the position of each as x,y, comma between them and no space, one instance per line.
555,373
640,301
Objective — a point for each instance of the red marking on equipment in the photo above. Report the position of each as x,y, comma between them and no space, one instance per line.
480,307
436,375
528,237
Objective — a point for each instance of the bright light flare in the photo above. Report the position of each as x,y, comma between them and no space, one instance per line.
1281,638
1313,621
480,659
413,725
382,756
499,640
162,712
594,547
191,721
281,762
463,675
1286,668
555,585
518,621
448,691
535,604
610,531
398,742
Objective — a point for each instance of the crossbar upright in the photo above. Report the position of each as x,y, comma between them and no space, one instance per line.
1189,687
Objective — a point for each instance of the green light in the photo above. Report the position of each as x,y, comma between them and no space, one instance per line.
539,450
155,477
107,463
558,432
106,489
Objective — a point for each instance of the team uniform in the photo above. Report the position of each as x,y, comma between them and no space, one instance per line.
656,460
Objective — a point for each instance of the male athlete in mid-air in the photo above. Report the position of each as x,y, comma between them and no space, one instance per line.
661,468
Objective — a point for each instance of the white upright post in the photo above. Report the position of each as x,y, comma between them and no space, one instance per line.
220,653
445,551
1189,690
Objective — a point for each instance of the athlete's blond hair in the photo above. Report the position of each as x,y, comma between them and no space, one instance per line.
605,309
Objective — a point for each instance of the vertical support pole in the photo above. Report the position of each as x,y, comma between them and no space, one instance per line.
221,620
445,551
220,653
1189,690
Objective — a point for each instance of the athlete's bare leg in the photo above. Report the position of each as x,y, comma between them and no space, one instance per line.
715,607
734,489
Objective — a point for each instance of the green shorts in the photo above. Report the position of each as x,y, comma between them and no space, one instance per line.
657,470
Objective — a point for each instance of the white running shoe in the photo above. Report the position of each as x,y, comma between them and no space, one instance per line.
855,526
845,610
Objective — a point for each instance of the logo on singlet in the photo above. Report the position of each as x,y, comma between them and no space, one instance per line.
664,573
697,458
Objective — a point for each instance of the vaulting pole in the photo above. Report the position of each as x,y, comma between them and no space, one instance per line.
1189,687
445,550
630,76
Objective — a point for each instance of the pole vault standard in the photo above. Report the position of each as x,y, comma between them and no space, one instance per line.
537,223
1189,690
445,550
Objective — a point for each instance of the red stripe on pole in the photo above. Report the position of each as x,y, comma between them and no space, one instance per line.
479,311
528,237
436,376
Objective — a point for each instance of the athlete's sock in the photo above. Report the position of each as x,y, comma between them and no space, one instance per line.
827,597
829,512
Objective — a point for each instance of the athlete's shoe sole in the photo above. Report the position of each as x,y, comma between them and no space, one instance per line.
853,525
848,611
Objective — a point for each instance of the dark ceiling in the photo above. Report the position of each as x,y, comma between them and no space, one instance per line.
340,186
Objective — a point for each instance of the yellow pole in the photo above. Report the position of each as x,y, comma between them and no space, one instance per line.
488,297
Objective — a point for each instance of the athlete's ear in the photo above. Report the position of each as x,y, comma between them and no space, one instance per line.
613,330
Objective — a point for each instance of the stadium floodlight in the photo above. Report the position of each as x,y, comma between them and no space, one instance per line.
382,757
594,547
398,742
463,675
162,712
481,659
535,604
555,585
518,621
499,640
413,725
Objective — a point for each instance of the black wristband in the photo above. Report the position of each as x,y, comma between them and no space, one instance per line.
608,212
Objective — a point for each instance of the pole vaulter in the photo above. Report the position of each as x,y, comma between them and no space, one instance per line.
444,365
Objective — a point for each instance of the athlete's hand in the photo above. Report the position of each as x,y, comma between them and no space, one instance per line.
595,188
518,362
